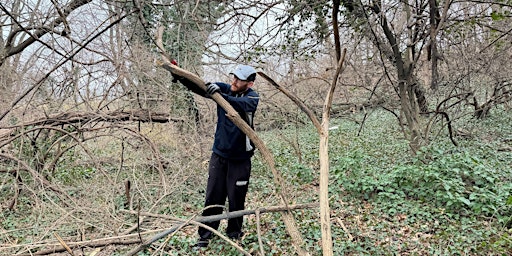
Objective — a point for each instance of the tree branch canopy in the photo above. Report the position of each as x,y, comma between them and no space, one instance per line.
10,49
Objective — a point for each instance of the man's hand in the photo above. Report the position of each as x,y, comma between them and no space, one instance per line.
175,78
212,88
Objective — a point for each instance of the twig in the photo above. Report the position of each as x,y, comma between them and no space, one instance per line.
258,229
143,246
183,225
296,100
134,227
340,221
64,244
138,222
225,238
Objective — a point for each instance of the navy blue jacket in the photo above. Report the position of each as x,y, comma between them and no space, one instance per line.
230,142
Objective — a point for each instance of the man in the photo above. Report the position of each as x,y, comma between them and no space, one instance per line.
230,163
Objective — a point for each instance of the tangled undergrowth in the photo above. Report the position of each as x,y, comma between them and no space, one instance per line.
446,200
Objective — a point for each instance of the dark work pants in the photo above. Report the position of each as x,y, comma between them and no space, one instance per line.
226,178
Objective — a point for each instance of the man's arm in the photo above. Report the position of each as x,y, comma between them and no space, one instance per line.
191,86
249,103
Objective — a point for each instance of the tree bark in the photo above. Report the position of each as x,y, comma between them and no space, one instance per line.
325,219
434,21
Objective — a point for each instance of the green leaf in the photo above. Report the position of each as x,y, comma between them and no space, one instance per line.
509,200
496,16
464,200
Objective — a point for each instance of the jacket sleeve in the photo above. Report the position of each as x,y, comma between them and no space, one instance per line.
191,86
248,103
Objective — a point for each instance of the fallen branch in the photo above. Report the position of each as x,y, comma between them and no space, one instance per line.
228,215
203,219
57,247
140,115
340,221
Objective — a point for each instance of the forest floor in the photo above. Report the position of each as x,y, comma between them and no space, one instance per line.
445,200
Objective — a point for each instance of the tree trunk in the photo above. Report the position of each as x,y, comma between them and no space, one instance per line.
432,50
410,111
419,92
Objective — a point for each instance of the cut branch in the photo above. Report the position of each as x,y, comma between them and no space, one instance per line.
230,215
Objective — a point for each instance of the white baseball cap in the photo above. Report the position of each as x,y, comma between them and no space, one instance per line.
243,72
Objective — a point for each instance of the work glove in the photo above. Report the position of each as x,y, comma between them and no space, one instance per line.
175,78
212,88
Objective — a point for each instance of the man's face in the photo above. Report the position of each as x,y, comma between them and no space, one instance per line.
239,86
